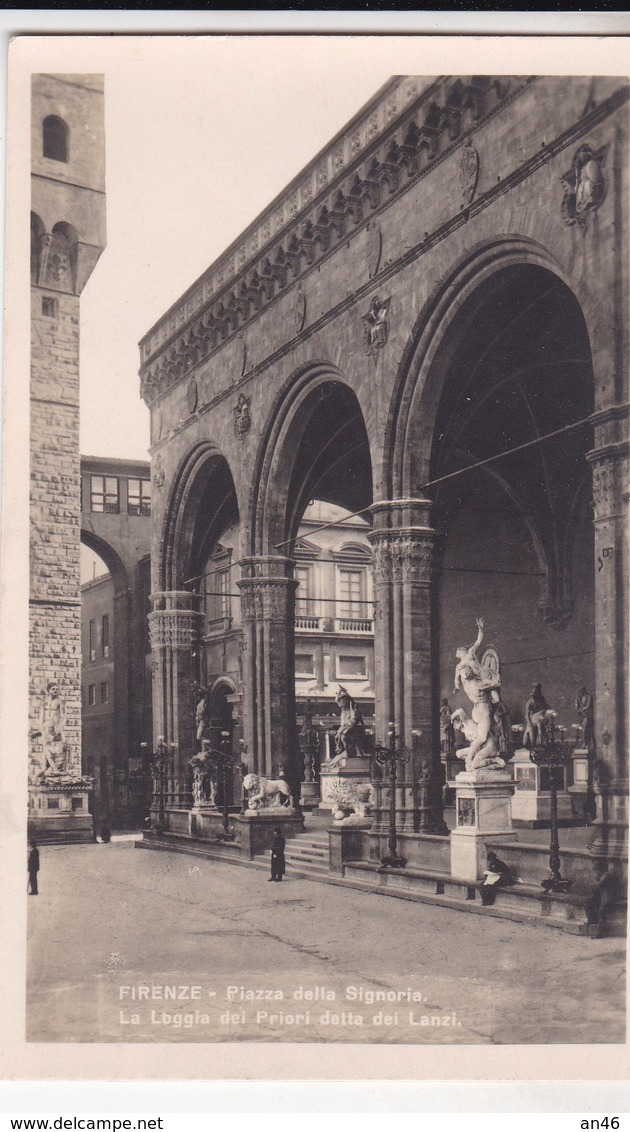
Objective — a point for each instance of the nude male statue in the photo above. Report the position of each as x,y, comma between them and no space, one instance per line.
52,720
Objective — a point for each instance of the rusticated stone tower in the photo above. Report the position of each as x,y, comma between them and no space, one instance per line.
67,238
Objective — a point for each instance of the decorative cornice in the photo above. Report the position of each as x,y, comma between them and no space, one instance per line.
394,140
161,374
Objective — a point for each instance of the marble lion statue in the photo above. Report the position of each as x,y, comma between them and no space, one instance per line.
266,792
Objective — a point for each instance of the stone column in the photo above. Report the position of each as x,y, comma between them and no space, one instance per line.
610,465
174,627
267,612
403,546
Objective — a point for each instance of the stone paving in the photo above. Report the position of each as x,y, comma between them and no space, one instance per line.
116,931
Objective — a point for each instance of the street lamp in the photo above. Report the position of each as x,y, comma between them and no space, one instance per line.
225,760
552,751
159,765
391,756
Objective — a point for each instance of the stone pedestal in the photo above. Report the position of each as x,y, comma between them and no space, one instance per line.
531,804
309,795
59,811
581,789
254,833
482,807
356,771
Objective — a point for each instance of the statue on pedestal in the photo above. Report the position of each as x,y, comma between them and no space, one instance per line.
487,731
350,738
536,711
204,785
52,721
447,731
266,793
585,714
201,697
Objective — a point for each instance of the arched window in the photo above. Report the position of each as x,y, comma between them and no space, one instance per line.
55,138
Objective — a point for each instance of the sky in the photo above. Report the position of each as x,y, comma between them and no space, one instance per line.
201,135
216,132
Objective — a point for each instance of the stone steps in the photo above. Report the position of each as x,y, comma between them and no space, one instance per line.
515,902
307,855
307,859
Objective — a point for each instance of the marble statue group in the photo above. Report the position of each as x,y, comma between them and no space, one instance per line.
486,728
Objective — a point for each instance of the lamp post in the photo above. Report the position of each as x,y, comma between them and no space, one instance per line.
390,757
224,758
552,751
159,765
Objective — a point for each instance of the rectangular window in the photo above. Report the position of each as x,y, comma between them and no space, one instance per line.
104,692
104,495
351,592
218,600
351,666
92,645
49,308
304,664
139,497
91,695
223,588
302,576
105,634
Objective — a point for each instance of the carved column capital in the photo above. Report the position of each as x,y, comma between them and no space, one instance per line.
265,588
174,628
404,555
610,468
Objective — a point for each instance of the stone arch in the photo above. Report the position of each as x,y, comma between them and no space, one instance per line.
419,385
111,558
289,472
203,467
500,358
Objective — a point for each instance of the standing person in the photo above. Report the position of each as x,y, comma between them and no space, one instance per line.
278,864
33,869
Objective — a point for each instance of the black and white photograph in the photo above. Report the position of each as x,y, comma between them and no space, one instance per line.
322,423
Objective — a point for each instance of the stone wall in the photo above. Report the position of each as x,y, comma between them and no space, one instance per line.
55,519
67,236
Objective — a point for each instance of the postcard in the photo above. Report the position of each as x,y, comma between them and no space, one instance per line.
315,558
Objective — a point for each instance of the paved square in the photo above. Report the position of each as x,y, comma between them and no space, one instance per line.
129,945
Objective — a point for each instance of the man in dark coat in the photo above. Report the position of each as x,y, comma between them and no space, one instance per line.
497,874
277,855
33,869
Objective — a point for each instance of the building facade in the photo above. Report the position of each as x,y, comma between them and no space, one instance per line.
116,670
427,327
67,238
333,627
